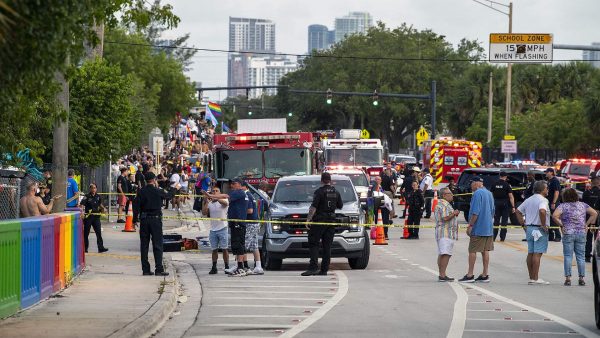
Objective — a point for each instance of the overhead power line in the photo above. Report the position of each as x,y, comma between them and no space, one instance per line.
351,57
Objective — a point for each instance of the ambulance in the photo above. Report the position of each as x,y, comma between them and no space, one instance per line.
447,157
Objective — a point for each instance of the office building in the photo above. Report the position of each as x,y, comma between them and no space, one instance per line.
319,37
246,35
593,56
267,71
354,22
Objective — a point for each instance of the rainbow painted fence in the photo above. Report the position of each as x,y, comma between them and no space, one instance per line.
38,257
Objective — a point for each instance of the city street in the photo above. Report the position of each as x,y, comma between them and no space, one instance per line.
397,295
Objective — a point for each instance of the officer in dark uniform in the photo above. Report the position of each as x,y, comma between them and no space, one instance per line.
505,204
150,201
93,204
326,199
592,198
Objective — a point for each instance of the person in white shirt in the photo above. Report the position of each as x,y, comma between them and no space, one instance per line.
218,237
175,184
534,215
426,187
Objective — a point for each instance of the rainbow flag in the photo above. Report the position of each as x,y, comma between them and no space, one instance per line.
215,109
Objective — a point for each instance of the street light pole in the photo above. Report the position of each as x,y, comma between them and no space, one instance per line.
490,108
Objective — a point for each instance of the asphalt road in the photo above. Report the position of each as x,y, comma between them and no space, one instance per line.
396,296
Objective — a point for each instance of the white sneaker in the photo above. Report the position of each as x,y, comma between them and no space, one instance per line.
541,282
531,282
238,273
258,271
230,270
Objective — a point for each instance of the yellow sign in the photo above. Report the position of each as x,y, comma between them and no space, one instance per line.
422,135
521,38
365,134
509,137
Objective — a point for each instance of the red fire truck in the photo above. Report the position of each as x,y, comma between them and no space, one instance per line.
350,151
257,157
448,158
578,170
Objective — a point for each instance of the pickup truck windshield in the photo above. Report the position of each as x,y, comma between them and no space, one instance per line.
302,191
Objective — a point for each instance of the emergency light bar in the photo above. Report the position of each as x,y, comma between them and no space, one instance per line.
261,137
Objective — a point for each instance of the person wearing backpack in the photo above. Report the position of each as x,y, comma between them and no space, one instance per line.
415,202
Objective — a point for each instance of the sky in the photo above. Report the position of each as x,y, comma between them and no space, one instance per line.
207,21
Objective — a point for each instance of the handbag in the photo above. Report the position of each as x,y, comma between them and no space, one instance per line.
373,233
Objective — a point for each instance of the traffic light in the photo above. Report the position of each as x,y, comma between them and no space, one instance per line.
375,98
249,110
290,114
329,96
250,113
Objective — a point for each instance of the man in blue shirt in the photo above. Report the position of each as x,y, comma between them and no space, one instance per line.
72,190
252,235
480,230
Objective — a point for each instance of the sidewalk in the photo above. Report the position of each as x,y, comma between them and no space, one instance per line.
111,298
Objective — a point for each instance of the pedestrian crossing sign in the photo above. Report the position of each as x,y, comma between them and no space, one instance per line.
422,135
364,134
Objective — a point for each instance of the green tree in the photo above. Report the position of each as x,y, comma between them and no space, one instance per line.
102,115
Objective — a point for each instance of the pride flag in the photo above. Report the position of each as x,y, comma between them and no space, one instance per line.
208,115
215,109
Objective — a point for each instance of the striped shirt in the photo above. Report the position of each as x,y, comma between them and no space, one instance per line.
445,229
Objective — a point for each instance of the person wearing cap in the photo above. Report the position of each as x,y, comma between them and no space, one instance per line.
149,202
326,200
592,198
426,187
504,202
238,210
553,196
480,230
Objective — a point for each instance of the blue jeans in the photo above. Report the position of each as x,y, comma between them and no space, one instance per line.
575,243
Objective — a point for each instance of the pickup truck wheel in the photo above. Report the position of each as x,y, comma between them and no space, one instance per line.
360,263
269,262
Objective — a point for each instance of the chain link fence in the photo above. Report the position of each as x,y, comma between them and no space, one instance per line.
13,186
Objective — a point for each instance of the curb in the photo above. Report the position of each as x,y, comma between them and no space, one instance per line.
155,317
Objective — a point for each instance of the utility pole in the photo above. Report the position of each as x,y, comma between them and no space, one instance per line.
490,107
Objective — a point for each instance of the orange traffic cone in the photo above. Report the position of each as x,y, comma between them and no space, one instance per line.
129,220
435,201
380,234
405,234
402,201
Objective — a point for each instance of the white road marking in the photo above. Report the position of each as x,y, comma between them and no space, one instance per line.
394,276
496,311
526,332
261,316
259,326
272,298
265,305
457,326
237,286
414,264
235,280
581,330
277,292
322,311
403,259
511,320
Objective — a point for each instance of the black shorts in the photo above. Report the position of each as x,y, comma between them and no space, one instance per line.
238,238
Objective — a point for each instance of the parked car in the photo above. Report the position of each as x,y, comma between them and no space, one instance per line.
516,177
291,200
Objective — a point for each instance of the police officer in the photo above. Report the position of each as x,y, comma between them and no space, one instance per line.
326,199
149,201
505,204
93,205
592,198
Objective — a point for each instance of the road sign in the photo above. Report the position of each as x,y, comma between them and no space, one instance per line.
509,137
509,146
365,134
422,135
521,48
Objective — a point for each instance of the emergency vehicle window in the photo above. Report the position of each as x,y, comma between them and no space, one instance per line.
339,156
346,190
368,157
461,160
286,162
295,191
359,180
241,163
515,180
579,169
448,160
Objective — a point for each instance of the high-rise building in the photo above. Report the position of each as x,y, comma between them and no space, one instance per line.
592,55
246,35
354,22
267,71
319,37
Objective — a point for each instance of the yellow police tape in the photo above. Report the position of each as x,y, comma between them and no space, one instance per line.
317,223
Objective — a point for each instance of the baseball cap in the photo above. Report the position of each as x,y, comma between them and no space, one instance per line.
149,176
236,180
325,177
476,179
503,173
549,170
